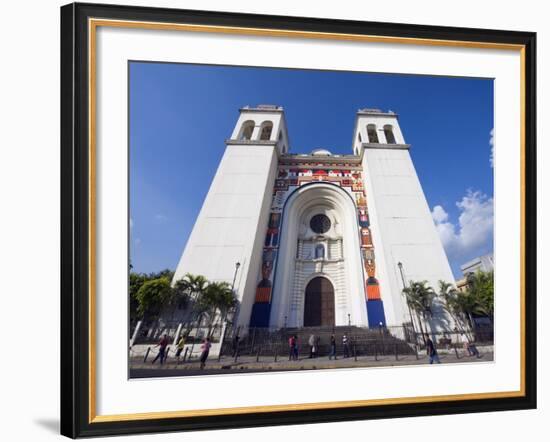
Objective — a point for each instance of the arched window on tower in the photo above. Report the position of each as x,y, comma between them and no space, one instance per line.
388,131
319,251
371,132
265,132
246,130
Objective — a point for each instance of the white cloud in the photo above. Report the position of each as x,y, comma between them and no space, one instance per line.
473,234
160,217
492,144
439,215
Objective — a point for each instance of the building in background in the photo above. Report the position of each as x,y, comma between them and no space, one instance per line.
318,236
483,263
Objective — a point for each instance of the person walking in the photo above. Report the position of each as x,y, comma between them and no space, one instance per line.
311,343
236,340
316,346
465,343
179,346
332,353
345,344
472,350
163,343
295,347
205,349
431,350
291,345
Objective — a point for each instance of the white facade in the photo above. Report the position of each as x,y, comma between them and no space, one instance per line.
297,263
405,231
262,209
230,227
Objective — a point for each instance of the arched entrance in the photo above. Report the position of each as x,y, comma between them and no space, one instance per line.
299,258
319,303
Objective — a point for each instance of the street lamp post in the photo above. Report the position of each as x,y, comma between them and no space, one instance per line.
237,265
400,265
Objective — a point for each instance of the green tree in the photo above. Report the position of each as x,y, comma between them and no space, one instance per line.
449,295
218,300
135,282
194,286
477,299
166,273
152,296
226,300
467,305
481,288
420,297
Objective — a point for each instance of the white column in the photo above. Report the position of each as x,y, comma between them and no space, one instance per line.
136,331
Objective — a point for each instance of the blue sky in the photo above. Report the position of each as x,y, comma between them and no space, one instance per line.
181,114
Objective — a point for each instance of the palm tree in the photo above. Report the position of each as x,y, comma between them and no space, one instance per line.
226,300
217,302
449,294
195,287
195,284
481,288
466,303
420,297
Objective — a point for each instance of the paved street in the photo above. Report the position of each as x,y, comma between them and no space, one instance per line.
249,364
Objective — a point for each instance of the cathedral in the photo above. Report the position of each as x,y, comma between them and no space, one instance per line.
316,239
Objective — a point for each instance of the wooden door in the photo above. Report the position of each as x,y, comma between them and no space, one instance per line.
319,303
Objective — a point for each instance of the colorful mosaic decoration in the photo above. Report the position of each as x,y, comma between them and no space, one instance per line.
373,289
291,176
366,240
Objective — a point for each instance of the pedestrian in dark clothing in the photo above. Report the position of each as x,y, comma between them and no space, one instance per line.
236,340
205,349
291,345
473,350
163,343
316,346
466,344
332,348
431,350
345,344
295,347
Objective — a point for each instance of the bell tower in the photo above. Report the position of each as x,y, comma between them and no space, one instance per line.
377,129
261,125
403,231
230,227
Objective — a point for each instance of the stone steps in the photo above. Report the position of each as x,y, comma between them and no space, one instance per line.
363,341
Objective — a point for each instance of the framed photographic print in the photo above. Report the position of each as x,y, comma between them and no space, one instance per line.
274,220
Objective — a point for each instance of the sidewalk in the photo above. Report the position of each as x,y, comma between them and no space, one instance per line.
249,364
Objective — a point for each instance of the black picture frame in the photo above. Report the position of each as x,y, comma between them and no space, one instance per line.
75,221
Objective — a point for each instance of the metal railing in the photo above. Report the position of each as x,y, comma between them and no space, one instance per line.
382,340
272,344
152,334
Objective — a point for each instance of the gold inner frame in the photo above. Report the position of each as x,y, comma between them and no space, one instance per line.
93,24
